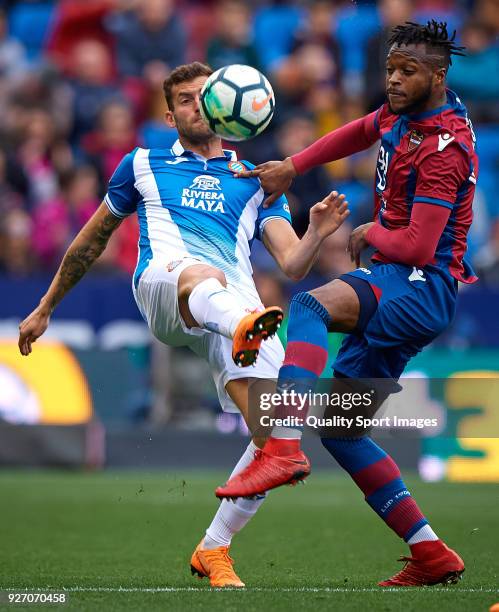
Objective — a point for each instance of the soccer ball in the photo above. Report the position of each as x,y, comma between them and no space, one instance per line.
237,102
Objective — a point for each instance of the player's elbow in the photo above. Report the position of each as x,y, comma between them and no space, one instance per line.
290,268
294,274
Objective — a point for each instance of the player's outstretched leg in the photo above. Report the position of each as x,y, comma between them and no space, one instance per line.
211,558
215,308
377,475
281,461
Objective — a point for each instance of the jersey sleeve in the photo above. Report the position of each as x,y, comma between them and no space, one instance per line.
122,197
441,174
416,244
278,210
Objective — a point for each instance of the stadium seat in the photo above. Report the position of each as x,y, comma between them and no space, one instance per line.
364,21
487,139
274,29
29,22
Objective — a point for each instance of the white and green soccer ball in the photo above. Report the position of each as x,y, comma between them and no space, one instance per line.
237,102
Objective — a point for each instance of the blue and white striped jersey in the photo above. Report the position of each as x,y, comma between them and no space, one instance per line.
191,206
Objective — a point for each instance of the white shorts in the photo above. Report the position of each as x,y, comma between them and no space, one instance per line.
156,297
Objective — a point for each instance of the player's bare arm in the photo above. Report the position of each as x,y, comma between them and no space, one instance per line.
81,254
294,256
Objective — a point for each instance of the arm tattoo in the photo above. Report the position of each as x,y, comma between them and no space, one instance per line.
77,261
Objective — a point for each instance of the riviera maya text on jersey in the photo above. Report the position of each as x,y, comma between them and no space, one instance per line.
204,193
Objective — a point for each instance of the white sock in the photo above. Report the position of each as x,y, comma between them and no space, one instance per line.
232,517
215,308
424,534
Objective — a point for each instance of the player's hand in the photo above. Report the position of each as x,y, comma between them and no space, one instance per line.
32,328
357,242
275,178
327,216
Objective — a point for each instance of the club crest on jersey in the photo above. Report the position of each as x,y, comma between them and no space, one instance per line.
415,139
236,166
205,193
205,182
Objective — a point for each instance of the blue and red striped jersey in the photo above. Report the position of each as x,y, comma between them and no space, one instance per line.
428,158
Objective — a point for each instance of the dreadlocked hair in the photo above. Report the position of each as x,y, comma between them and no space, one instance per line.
434,34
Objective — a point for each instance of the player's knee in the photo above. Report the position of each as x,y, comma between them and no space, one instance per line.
342,303
303,304
217,274
306,298
325,295
301,296
194,275
333,293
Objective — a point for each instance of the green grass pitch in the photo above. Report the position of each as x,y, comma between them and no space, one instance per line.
122,541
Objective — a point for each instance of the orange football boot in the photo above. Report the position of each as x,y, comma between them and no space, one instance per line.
216,565
431,563
251,331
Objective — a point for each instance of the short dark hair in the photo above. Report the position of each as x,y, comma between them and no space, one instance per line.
182,74
434,35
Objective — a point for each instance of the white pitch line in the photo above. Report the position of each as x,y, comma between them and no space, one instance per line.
81,589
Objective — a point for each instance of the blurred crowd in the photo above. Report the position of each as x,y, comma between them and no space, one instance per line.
81,85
